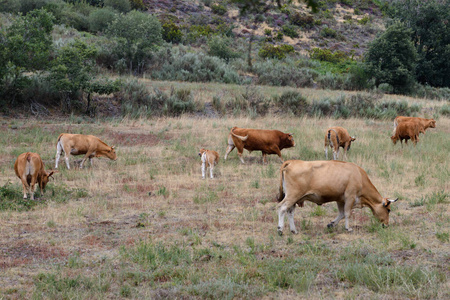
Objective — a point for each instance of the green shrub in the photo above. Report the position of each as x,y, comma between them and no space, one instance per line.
122,6
292,101
220,46
328,32
278,52
219,9
327,55
301,20
171,33
290,31
364,20
99,19
445,110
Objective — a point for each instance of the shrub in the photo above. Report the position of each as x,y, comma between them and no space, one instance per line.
220,46
99,19
445,110
301,20
364,20
122,6
327,55
290,31
292,101
278,52
171,33
328,32
219,9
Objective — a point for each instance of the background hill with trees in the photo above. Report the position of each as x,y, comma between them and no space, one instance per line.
67,54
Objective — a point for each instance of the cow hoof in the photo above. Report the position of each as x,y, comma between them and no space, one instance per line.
280,232
294,231
330,225
349,229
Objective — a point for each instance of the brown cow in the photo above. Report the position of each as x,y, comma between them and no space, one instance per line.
30,169
406,131
337,137
266,141
209,158
326,181
79,144
422,123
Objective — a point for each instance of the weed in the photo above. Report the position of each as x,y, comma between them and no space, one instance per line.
443,236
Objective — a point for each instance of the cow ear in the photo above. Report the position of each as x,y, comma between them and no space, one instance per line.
290,134
353,138
112,147
51,173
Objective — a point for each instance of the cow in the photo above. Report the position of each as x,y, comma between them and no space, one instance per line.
406,131
266,141
326,181
337,137
30,169
79,144
209,158
423,123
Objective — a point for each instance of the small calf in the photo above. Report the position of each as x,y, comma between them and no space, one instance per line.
337,137
30,169
209,157
406,131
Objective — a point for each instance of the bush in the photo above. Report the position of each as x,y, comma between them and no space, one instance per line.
219,9
293,102
195,67
290,31
328,32
301,20
171,33
220,46
122,6
327,55
99,19
278,52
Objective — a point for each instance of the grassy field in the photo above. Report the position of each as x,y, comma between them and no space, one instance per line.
148,226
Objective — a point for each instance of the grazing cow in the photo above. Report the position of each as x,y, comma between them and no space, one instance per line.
266,141
406,131
326,181
30,169
337,137
209,158
79,144
422,123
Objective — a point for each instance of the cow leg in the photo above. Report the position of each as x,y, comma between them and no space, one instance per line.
290,215
88,154
339,217
59,150
326,151
32,184
26,187
240,152
264,155
203,169
281,213
229,149
211,170
347,212
335,154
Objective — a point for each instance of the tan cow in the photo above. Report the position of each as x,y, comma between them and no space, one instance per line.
79,144
30,169
266,141
406,131
209,158
337,137
422,123
326,181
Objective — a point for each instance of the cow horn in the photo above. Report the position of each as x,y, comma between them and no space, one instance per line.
392,200
112,147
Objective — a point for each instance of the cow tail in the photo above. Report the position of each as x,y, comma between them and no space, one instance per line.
242,138
281,193
330,141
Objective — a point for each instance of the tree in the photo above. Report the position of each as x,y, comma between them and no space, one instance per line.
259,7
137,35
391,58
429,22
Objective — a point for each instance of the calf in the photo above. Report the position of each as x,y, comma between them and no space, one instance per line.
266,141
422,123
209,158
326,181
79,144
337,137
30,169
406,131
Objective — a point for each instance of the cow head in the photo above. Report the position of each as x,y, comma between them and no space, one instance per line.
394,139
289,141
45,178
431,123
200,153
111,153
383,212
352,139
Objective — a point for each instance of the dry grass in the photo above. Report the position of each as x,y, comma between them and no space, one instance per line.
87,244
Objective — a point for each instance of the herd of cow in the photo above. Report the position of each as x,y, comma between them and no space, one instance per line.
316,181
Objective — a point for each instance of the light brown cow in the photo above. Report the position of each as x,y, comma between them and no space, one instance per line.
79,144
326,181
406,131
209,158
337,137
30,169
266,141
422,123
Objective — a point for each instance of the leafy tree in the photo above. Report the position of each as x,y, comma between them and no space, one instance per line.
100,18
391,58
123,6
220,46
429,22
137,34
26,46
